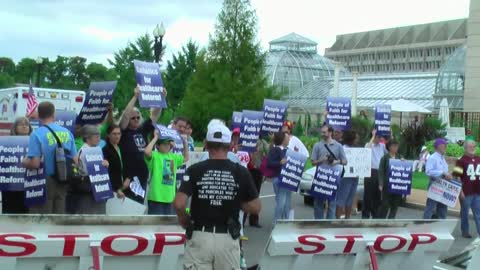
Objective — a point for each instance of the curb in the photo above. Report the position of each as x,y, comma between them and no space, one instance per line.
419,206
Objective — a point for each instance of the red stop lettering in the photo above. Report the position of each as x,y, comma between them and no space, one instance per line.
28,248
106,245
161,241
416,240
350,241
70,240
378,243
304,240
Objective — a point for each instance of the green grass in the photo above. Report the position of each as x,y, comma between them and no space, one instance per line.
420,181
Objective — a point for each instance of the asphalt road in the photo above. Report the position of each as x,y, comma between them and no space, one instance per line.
258,237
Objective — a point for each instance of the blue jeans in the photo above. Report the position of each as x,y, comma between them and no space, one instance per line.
441,209
318,208
473,202
158,208
283,199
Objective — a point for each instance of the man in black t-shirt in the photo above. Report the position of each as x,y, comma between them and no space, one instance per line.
219,189
133,142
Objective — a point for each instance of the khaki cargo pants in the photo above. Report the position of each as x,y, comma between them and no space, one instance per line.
55,204
211,251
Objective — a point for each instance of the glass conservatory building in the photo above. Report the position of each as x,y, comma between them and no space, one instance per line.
451,81
293,62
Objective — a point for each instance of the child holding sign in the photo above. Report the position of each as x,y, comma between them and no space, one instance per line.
390,201
163,166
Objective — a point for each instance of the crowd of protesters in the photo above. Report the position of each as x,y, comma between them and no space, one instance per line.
134,150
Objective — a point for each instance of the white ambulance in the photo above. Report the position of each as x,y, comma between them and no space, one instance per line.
13,102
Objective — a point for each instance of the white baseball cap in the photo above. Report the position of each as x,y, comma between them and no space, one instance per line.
219,133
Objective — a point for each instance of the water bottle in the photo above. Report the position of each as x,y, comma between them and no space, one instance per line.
61,164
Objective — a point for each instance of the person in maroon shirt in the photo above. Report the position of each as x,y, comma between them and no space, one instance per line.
468,170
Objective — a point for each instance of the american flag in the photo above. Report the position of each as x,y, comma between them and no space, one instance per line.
32,103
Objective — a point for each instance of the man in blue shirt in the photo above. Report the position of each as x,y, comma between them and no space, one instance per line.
437,168
42,145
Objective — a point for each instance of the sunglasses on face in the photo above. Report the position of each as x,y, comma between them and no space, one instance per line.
135,118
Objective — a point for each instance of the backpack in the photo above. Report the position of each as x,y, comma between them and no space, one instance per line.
64,164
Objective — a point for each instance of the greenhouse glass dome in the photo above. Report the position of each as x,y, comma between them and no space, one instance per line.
451,80
293,62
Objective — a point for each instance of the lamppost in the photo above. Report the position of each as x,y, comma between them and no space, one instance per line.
39,67
158,34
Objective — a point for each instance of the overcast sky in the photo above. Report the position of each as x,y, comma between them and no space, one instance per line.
96,28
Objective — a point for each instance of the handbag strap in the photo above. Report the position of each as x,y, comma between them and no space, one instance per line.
59,143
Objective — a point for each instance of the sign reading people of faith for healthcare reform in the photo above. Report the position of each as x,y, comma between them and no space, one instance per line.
339,113
149,79
383,115
12,151
273,115
250,130
400,176
99,178
291,173
325,181
95,108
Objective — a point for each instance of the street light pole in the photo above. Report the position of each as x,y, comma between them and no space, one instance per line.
158,34
39,67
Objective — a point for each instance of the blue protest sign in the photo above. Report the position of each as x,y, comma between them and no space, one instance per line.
35,186
173,134
98,97
383,115
250,130
339,113
325,182
236,120
66,119
273,115
149,79
400,176
12,173
291,173
99,178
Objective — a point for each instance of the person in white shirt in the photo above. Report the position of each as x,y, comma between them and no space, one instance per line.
296,145
371,194
437,168
419,164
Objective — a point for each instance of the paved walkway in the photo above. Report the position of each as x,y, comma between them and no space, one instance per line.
418,198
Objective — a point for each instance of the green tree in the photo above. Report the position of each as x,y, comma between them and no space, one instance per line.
26,70
7,66
178,73
56,73
6,80
99,72
122,63
77,72
230,75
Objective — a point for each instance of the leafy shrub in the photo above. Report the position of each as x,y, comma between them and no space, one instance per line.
453,149
309,142
412,139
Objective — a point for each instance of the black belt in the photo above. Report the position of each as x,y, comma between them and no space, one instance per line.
211,228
